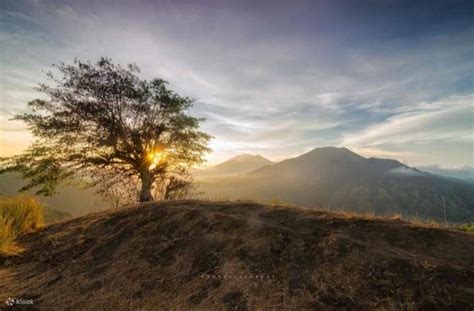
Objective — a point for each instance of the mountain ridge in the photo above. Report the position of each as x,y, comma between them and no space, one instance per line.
339,179
465,173
239,164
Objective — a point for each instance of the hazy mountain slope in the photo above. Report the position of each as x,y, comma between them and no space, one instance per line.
53,215
240,164
188,255
338,179
465,173
70,200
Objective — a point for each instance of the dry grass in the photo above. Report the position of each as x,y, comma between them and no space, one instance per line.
7,235
186,255
18,215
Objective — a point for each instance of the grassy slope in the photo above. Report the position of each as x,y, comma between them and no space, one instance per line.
18,215
207,255
411,197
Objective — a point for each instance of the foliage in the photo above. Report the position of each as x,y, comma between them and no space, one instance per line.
105,125
468,227
18,215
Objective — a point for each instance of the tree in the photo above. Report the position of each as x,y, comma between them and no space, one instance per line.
105,125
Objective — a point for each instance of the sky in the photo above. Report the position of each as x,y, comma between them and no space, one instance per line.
391,79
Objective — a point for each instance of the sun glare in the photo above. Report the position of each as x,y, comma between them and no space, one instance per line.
156,158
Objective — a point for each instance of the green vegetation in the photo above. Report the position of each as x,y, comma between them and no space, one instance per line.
18,215
469,227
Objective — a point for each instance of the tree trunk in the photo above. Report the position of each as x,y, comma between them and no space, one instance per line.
147,181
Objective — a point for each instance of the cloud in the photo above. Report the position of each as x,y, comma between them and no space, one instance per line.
316,75
448,123
447,120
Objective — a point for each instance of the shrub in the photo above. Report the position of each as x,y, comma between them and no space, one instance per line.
18,215
468,227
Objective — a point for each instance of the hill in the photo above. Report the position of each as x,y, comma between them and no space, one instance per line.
239,256
339,179
240,164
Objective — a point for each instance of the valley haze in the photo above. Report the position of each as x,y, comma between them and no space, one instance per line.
338,179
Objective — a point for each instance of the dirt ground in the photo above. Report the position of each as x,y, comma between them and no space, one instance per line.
202,255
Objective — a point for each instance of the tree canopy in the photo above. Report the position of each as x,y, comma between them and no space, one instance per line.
102,123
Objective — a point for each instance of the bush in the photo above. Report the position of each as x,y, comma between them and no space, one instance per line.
469,227
18,215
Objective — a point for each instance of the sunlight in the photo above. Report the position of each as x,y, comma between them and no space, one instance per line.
155,158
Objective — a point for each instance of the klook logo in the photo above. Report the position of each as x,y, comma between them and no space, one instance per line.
18,301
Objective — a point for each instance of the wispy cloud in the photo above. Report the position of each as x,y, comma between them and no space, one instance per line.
276,79
440,128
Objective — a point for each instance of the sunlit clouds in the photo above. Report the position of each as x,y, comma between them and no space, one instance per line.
278,79
426,133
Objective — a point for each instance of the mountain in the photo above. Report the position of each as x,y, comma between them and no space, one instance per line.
240,164
52,216
200,255
339,179
465,173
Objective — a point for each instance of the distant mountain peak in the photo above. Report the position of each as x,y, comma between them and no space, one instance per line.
337,178
332,152
247,156
331,149
326,162
239,164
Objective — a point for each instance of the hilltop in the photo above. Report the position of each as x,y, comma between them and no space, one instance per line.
239,256
341,180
